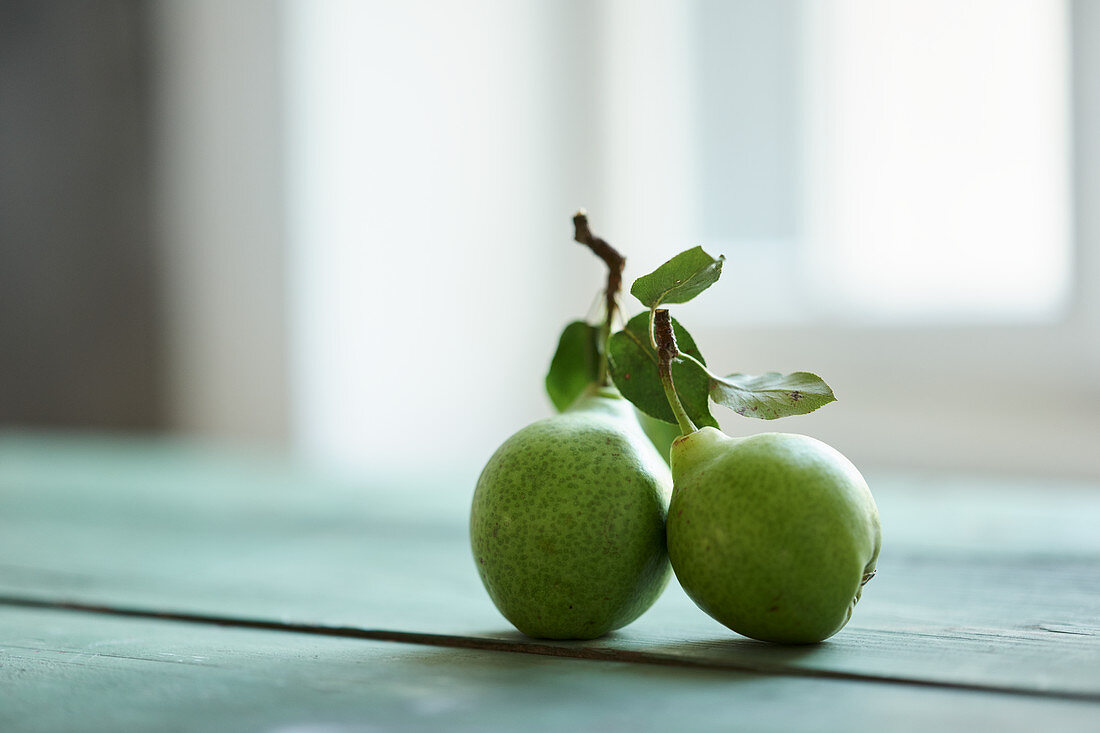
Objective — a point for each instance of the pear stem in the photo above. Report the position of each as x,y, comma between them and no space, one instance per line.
615,263
661,327
605,338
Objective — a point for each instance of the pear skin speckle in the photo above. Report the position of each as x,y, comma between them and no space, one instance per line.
568,523
772,535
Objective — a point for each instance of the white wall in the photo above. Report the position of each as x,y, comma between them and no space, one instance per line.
431,255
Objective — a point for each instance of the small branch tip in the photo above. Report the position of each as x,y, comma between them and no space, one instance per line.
663,334
615,263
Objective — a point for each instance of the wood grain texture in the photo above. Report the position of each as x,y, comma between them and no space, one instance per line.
63,671
986,584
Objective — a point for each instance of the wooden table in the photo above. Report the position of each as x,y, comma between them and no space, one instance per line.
155,585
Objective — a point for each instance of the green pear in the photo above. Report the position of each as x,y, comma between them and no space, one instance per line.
568,521
773,535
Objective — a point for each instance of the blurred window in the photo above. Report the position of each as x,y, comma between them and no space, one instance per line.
890,181
870,161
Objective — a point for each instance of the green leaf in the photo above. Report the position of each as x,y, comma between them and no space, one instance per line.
575,365
633,365
771,395
678,280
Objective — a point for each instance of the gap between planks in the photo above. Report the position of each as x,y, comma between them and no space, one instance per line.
570,650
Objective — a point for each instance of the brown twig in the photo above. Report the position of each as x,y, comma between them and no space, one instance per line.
664,336
667,350
615,262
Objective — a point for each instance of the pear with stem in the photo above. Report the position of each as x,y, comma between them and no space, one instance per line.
568,521
774,535
567,525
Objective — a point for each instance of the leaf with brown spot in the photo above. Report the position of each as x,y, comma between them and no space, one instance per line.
772,395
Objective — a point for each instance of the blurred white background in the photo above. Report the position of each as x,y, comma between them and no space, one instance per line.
894,184
364,215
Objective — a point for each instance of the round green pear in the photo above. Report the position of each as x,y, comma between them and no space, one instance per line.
773,535
568,521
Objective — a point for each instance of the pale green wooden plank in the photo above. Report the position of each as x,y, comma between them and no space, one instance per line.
994,584
64,671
